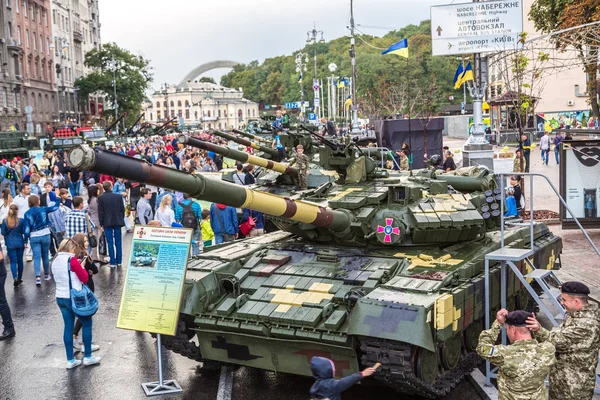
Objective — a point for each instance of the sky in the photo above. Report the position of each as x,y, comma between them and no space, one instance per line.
179,35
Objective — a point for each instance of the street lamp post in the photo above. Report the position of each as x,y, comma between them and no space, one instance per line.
113,65
301,61
355,127
332,110
311,37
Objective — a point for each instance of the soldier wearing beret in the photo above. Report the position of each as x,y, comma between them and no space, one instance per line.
523,364
577,342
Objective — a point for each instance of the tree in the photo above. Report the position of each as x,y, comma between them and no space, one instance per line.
207,79
552,15
522,73
132,73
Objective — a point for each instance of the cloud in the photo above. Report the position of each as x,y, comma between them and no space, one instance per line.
179,35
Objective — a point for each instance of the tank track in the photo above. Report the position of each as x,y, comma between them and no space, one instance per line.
397,368
181,344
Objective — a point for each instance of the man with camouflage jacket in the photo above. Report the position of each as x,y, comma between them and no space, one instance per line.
524,364
577,343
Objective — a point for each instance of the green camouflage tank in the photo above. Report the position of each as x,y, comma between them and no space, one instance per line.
387,270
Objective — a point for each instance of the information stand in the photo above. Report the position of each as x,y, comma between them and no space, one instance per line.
153,288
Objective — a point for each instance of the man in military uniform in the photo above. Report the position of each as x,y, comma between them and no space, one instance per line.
523,364
577,342
302,166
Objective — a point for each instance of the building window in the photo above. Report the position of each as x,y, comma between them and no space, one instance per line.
34,37
172,113
180,113
165,104
179,104
253,110
41,44
225,113
48,45
24,8
195,115
17,5
150,116
187,113
172,104
19,34
157,115
208,113
54,17
158,104
27,37
219,113
187,103
219,125
44,70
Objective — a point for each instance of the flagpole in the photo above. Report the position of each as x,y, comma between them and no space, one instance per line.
410,157
355,128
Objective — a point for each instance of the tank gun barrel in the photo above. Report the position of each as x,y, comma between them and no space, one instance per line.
329,143
247,143
105,162
238,155
250,136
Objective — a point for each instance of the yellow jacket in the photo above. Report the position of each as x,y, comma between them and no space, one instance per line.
207,232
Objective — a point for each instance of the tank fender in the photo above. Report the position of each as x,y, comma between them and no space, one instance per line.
199,290
390,320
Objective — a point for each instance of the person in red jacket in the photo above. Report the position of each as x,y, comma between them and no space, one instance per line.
68,272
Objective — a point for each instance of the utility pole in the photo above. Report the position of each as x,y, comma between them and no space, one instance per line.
311,37
477,92
355,128
113,65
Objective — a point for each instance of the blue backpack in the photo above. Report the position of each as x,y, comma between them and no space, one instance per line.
83,302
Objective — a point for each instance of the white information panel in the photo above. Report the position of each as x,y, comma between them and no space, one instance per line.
482,27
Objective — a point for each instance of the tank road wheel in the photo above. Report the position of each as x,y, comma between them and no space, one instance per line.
471,335
426,365
450,353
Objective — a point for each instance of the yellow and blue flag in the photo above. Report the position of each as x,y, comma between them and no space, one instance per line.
458,75
400,49
348,103
467,75
300,79
342,83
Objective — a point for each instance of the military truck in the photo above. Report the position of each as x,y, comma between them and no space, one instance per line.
16,144
379,269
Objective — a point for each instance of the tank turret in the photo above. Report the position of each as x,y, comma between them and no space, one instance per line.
240,156
267,151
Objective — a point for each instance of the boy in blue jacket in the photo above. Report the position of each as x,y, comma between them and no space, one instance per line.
326,387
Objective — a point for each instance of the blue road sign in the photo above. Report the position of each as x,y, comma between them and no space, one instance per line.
312,117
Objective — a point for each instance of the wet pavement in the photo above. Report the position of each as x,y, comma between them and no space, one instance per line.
32,365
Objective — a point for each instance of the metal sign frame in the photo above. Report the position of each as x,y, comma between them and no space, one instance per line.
479,27
566,146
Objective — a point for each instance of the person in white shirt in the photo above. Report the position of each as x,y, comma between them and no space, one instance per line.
239,177
22,200
545,147
165,213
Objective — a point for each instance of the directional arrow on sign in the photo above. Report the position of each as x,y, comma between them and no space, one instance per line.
439,30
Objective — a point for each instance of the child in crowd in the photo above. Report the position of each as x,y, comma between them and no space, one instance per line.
511,203
326,387
207,232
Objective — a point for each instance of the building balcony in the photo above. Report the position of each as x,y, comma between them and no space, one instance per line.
209,118
77,35
14,46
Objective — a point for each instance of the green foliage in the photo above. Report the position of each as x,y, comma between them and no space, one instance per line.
207,79
275,81
132,75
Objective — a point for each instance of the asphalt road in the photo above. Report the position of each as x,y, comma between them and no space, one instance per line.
32,365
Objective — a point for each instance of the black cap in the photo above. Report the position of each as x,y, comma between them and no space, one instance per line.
575,288
517,318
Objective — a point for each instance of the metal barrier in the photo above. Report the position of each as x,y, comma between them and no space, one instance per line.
508,256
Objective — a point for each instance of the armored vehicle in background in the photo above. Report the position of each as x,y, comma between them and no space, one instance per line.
387,270
16,144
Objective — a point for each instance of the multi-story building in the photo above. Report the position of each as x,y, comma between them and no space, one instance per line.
27,64
562,94
76,30
204,104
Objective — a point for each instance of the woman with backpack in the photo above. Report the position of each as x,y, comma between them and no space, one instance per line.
13,229
69,273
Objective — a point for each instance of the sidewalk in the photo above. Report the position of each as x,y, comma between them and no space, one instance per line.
579,260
